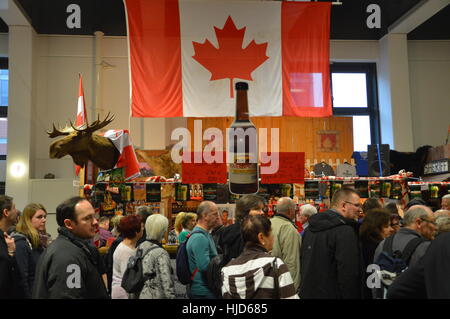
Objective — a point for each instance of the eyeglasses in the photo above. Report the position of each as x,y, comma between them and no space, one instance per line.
356,205
429,221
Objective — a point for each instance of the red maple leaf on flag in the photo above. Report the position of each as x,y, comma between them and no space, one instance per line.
230,60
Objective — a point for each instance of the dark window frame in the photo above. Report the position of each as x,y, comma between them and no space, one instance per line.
372,109
3,108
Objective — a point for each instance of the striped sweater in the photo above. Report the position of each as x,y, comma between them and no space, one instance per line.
251,276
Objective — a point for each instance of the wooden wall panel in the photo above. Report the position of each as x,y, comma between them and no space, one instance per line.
296,134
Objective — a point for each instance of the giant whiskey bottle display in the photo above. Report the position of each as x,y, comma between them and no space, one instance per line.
242,147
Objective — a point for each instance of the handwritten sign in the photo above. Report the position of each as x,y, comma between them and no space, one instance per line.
291,169
203,173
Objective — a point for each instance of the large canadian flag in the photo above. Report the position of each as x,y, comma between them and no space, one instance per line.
185,57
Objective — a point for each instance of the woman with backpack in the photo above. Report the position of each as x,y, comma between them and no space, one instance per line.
130,228
255,274
375,227
31,239
156,266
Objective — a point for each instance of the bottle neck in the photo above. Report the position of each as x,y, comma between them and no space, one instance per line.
241,105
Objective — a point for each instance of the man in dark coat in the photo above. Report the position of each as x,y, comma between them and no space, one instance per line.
9,275
330,258
429,277
230,239
68,269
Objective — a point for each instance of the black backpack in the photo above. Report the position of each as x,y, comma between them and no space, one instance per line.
393,263
133,279
182,262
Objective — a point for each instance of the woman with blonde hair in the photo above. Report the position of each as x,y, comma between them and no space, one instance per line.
178,220
114,223
31,240
177,228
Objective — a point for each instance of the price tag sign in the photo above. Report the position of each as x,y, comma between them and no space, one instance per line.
291,169
203,173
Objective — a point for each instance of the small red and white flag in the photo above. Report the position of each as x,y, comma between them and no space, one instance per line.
81,114
122,141
185,57
81,109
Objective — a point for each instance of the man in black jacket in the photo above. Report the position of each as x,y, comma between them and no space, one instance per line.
429,277
230,239
330,256
69,266
9,275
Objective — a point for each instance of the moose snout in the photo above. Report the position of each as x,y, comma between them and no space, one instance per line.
56,151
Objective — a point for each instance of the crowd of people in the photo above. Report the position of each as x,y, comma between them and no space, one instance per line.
343,252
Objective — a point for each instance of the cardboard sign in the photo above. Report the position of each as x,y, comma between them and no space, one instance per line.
291,169
203,173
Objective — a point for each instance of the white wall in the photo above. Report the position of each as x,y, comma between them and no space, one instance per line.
60,189
429,91
394,93
21,64
429,67
60,59
354,51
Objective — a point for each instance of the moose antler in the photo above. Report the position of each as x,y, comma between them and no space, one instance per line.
96,125
58,132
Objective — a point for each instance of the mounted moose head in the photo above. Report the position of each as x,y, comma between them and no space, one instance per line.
83,146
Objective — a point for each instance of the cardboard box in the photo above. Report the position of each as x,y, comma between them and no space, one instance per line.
439,152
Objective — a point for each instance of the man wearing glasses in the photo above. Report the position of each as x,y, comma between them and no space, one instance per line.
330,258
419,221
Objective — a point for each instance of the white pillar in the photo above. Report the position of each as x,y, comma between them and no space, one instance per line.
21,50
98,107
394,93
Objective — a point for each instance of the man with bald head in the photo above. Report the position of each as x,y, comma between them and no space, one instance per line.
419,221
287,242
442,213
330,257
201,248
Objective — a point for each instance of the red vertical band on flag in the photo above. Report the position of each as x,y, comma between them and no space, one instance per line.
81,107
81,113
305,33
155,58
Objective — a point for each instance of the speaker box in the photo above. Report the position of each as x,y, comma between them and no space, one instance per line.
378,155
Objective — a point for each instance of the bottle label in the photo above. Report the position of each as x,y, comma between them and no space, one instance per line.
241,171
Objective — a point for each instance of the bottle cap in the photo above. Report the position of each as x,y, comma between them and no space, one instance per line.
241,86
